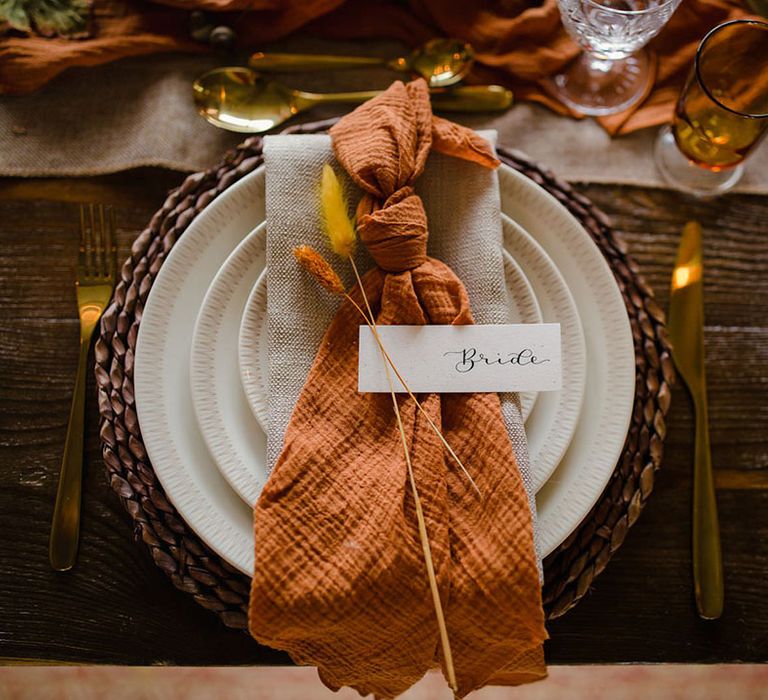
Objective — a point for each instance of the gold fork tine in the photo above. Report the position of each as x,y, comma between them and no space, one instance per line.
109,252
111,247
111,244
89,242
103,250
81,250
99,268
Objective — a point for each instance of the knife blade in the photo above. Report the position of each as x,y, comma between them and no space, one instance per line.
686,330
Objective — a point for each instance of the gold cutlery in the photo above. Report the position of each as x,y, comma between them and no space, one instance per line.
686,330
237,98
95,280
441,62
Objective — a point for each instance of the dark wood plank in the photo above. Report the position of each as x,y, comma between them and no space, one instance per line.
643,602
641,608
734,479
134,188
116,606
736,310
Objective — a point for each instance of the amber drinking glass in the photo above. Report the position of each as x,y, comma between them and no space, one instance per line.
722,112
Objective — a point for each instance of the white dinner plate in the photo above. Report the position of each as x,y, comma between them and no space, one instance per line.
236,441
169,426
553,421
253,346
596,447
163,395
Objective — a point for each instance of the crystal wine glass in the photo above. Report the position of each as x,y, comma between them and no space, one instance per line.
722,113
612,73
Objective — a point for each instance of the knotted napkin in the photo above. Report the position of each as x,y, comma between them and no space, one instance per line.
339,577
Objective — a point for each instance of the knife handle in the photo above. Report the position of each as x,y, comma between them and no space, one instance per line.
707,558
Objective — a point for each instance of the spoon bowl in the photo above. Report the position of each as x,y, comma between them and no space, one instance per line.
238,99
442,62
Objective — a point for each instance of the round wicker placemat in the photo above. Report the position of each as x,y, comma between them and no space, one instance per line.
214,584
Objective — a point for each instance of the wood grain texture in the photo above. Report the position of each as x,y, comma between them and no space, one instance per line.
117,607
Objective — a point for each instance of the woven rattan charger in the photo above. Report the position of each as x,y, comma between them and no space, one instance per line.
195,568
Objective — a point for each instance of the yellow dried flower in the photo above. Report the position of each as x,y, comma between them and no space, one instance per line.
339,227
317,266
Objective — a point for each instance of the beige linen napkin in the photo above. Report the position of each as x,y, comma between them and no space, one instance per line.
463,209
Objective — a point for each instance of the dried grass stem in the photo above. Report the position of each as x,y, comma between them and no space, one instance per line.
423,535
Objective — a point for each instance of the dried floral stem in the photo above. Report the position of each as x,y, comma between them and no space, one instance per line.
339,226
342,237
371,322
425,545
445,643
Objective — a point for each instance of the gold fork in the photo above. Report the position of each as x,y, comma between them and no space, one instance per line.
95,280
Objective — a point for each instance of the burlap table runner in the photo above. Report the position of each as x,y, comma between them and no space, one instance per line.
139,112
463,208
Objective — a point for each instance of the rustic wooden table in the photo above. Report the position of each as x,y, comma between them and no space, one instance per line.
117,607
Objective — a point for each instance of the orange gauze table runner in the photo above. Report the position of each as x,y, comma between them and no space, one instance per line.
339,576
519,43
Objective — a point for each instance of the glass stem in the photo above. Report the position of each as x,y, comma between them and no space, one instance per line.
599,64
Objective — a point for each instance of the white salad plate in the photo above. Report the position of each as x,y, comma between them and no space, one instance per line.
253,350
174,440
236,440
253,346
237,443
553,421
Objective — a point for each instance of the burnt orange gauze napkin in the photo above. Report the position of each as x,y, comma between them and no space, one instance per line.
339,578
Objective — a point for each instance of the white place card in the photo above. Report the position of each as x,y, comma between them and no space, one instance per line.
456,359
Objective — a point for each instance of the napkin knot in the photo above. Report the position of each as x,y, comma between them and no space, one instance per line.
383,145
394,232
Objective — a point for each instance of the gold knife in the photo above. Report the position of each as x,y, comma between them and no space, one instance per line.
686,330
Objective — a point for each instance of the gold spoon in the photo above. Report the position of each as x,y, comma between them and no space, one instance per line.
441,62
237,98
